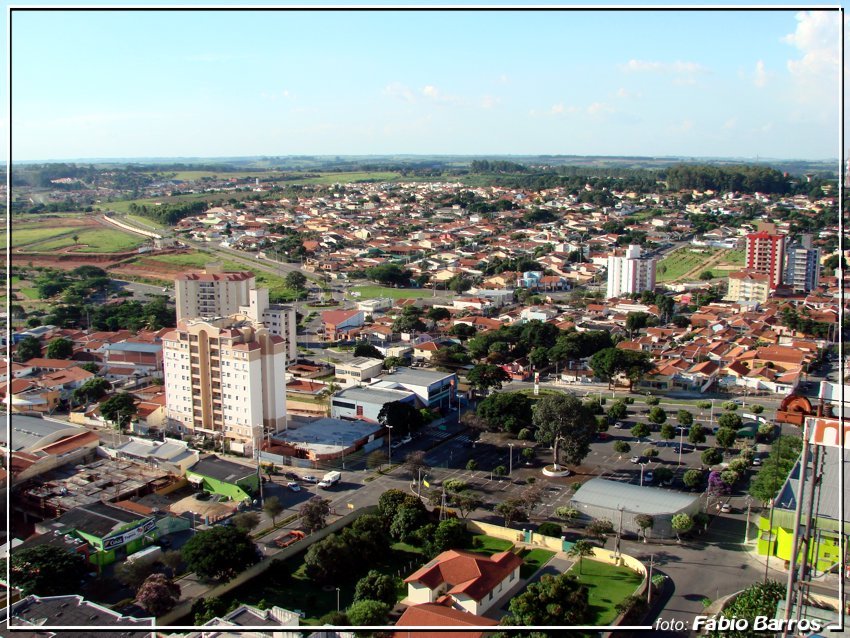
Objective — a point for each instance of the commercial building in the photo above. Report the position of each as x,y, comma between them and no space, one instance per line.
366,403
802,265
630,272
232,480
212,293
73,611
225,378
437,390
611,500
358,371
765,253
748,286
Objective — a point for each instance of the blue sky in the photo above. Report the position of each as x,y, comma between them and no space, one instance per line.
205,83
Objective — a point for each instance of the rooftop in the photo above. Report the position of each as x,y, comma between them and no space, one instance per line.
222,470
373,394
98,519
632,498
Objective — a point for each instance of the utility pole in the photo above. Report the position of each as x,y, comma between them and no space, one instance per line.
649,578
620,528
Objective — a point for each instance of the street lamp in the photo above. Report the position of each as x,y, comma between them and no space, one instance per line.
337,598
642,465
389,445
510,458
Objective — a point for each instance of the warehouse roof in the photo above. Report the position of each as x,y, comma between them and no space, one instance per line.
632,498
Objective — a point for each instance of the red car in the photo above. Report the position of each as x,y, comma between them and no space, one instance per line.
287,539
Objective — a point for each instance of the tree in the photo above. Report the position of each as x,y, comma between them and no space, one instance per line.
406,521
730,420
621,447
376,586
693,479
657,415
390,501
465,501
609,362
712,456
219,553
697,435
531,497
389,275
133,573
409,321
640,430
295,280
401,417
368,612
758,600
484,376
726,437
60,349
511,510
550,529
553,600
599,529
314,513
246,521
272,507
172,559
46,570
158,594
569,514
438,313
506,411
472,465
92,390
617,411
450,534
376,459
645,523
27,348
579,550
685,418
681,523
668,432
363,349
415,462
566,424
119,409
331,559
663,474
706,275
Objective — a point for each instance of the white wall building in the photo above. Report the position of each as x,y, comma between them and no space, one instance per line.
212,293
224,378
279,319
629,272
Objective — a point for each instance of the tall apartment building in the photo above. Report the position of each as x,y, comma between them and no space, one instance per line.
224,377
802,265
629,272
765,253
212,293
278,319
748,286
215,293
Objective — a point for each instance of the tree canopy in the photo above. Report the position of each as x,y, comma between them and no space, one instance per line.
565,423
553,600
506,411
219,553
46,570
402,417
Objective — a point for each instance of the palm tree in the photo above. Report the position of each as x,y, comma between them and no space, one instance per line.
579,550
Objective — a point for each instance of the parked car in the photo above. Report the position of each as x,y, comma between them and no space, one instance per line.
310,479
292,476
293,486
637,459
619,425
757,461
725,508
648,477
406,439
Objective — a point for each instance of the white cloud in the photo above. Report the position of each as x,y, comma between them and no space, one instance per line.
433,93
731,123
275,95
489,101
599,108
625,93
668,68
504,79
817,37
761,75
399,91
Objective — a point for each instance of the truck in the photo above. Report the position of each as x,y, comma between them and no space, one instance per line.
329,479
290,537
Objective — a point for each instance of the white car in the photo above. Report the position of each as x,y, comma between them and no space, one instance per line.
293,486
407,439
310,479
725,508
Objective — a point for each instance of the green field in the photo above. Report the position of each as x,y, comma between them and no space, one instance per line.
184,260
143,222
347,178
482,544
607,586
96,240
25,235
372,292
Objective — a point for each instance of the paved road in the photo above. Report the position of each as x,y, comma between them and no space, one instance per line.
144,291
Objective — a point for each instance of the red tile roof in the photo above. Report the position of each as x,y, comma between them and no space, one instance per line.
466,572
434,615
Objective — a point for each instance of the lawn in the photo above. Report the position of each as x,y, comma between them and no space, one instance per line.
144,222
287,586
345,178
96,240
681,261
532,560
373,292
32,233
482,544
184,260
607,586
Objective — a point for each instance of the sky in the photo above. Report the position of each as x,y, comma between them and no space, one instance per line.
202,83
